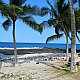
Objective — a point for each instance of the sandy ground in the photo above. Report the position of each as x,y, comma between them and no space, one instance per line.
27,69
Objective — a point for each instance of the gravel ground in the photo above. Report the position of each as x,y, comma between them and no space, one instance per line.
34,70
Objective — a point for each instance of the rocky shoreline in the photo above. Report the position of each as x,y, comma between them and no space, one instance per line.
31,51
34,51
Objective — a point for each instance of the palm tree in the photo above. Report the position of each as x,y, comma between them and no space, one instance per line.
63,24
58,20
17,10
73,67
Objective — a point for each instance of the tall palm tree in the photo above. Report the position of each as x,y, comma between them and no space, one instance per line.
63,11
73,67
58,20
17,10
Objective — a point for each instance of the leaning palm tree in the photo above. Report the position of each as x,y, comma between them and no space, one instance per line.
73,67
17,10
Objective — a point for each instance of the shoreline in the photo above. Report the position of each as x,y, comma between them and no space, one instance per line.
32,51
21,51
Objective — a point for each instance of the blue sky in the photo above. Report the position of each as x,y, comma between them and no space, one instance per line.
26,34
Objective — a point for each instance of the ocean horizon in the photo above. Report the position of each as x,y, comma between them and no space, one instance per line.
22,45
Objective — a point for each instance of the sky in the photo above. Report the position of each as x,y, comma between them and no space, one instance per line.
26,34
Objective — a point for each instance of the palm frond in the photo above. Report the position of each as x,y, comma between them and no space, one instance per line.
51,21
35,10
2,7
44,11
6,24
53,37
52,11
31,10
65,8
50,4
17,2
32,23
44,24
48,23
60,4
8,10
58,28
40,28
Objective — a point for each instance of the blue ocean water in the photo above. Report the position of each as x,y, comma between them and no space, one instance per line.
35,45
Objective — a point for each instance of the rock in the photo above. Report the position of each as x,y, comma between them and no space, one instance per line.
44,69
11,75
45,59
20,78
2,75
37,62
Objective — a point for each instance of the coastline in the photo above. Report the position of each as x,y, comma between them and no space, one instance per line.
21,51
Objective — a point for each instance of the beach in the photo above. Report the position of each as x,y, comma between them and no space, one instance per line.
29,69
36,66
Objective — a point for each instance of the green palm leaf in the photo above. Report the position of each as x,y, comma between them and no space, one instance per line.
6,24
53,37
17,2
31,10
48,23
58,29
29,20
44,11
52,11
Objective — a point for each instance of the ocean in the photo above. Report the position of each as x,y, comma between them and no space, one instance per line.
9,45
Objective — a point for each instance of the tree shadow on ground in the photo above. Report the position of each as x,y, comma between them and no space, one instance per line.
61,67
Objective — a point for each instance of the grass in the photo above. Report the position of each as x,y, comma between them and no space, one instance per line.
61,73
17,76
76,75
61,70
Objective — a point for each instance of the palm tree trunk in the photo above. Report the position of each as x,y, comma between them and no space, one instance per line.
67,48
14,40
73,67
